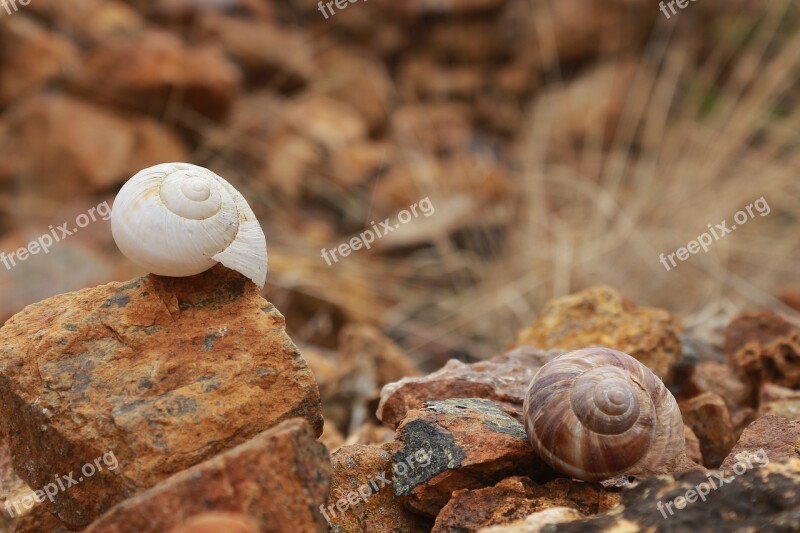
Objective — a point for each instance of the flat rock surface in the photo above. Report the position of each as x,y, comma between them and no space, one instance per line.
163,372
472,442
502,379
776,435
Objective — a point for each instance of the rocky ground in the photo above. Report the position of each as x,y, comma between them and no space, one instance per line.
215,420
385,393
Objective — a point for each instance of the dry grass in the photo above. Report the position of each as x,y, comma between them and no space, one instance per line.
706,127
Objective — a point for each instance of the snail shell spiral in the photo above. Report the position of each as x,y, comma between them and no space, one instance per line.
597,413
178,219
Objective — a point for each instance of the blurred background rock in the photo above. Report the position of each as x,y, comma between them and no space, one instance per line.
563,144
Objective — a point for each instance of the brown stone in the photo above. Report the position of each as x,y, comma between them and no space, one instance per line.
777,436
708,418
765,346
720,379
791,298
163,372
32,56
502,379
361,499
472,444
517,497
279,479
89,21
260,48
156,72
601,316
88,147
216,523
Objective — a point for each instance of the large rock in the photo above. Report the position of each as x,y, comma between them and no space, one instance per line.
163,372
777,436
516,498
279,479
708,417
761,498
602,317
472,443
765,347
361,499
502,379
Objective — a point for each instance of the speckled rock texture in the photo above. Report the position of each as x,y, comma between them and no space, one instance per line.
361,498
502,379
517,497
163,372
279,479
472,443
763,498
777,436
765,347
602,317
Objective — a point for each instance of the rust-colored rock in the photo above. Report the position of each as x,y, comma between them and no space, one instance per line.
602,317
216,523
777,436
278,478
361,499
472,443
89,21
164,372
502,379
156,72
765,346
708,417
517,497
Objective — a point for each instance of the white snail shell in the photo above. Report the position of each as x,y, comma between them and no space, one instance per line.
178,220
597,413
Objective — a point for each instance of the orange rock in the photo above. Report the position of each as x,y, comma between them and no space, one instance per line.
707,416
602,317
515,498
89,21
164,372
361,499
279,478
765,347
502,379
217,523
471,443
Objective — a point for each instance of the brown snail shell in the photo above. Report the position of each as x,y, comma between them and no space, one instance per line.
597,413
